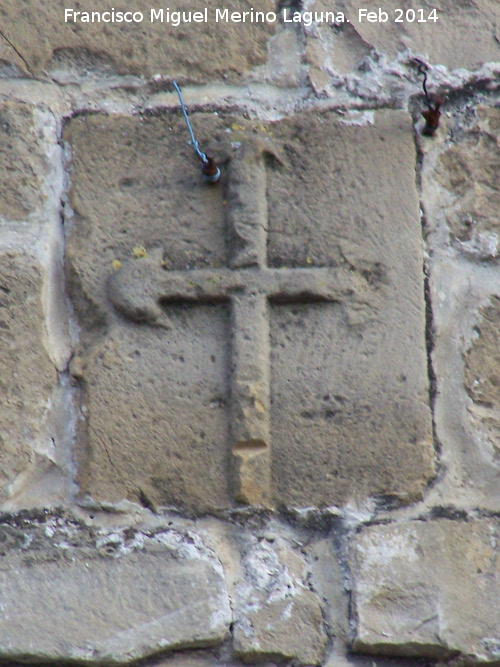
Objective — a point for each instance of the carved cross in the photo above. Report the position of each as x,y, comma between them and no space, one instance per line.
142,289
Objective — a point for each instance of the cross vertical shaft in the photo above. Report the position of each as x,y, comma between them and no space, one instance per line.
246,217
250,398
250,390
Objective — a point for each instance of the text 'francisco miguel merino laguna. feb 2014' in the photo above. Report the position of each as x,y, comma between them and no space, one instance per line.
217,15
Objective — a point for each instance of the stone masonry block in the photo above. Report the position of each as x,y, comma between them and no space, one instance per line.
462,198
190,50
22,162
27,376
251,346
428,589
342,47
353,207
276,616
134,409
104,598
467,170
482,375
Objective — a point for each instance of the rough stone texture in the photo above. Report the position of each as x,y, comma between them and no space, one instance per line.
482,375
340,659
191,659
328,580
22,162
109,600
428,588
156,396
468,170
250,355
27,376
344,422
276,616
189,51
336,49
460,195
168,458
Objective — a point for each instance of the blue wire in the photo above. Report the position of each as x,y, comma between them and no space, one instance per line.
194,143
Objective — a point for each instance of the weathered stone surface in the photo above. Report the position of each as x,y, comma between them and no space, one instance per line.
173,439
460,195
285,63
336,49
428,588
109,600
194,659
328,579
350,411
482,375
191,50
276,358
348,659
22,162
276,616
467,168
465,425
27,376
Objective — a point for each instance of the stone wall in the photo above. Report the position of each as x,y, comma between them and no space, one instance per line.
257,421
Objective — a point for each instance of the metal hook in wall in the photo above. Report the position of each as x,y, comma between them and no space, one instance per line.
432,114
422,69
210,170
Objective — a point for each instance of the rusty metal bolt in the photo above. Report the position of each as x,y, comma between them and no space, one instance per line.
210,170
432,116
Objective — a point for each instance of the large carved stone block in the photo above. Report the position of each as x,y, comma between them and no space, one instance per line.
47,39
260,341
427,588
426,29
70,595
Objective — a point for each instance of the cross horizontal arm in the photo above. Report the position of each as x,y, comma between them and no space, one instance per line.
139,288
287,284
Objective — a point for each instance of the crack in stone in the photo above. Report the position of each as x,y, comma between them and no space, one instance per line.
429,326
18,53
